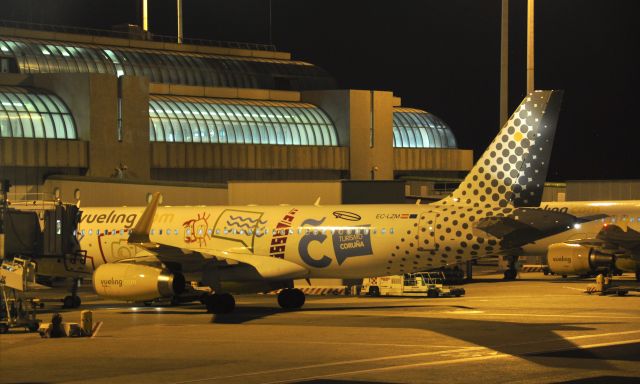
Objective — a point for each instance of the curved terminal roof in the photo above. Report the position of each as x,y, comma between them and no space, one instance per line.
32,113
40,56
233,121
415,128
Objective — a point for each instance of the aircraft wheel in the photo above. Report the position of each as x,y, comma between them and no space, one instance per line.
219,303
4,328
291,298
67,302
433,293
33,327
510,274
76,301
374,291
637,275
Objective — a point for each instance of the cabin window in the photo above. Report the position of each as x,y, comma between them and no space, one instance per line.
241,232
188,231
106,232
383,231
152,232
98,232
122,232
159,231
375,231
83,232
91,232
391,231
168,232
176,232
631,219
290,231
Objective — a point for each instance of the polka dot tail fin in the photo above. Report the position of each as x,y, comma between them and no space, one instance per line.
513,169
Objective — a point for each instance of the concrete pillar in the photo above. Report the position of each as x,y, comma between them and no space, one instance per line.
134,149
364,122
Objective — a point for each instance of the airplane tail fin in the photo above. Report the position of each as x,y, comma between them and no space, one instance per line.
513,169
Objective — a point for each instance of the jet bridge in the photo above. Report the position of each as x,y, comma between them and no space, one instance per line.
43,231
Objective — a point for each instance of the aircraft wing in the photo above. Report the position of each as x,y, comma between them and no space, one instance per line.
613,236
262,267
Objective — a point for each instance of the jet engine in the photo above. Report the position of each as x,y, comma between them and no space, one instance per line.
576,259
136,282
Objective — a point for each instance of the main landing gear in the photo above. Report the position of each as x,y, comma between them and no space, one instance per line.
291,298
511,273
219,303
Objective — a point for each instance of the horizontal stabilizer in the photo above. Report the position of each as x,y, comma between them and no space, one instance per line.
525,225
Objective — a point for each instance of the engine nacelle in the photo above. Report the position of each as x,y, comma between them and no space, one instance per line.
576,259
135,282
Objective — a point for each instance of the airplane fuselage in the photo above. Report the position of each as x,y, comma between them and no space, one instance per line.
346,241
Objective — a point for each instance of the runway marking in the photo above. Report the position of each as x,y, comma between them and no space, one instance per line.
494,355
337,363
497,355
575,289
374,312
600,316
95,331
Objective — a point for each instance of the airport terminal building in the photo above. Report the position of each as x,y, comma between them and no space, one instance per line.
93,108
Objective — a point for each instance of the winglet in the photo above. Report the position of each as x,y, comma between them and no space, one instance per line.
317,203
140,233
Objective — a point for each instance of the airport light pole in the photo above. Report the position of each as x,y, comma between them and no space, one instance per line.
179,14
504,63
145,15
530,59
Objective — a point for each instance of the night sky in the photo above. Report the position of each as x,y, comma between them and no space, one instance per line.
438,55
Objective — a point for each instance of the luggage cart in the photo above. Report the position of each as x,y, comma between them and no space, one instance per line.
17,310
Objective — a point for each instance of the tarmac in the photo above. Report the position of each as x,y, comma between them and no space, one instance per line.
537,329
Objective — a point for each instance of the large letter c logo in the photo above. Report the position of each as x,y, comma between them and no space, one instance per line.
303,245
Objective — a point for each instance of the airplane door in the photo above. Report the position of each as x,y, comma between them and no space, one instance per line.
427,231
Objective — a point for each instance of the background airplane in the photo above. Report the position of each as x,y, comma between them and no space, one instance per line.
607,241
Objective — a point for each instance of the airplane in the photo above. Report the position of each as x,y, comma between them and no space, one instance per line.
140,254
607,241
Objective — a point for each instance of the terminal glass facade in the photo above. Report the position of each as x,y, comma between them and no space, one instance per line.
208,120
39,56
30,113
415,128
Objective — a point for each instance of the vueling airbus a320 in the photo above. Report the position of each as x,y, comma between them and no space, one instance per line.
141,254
